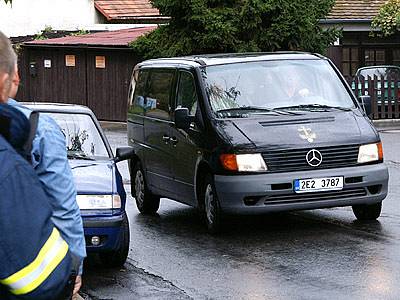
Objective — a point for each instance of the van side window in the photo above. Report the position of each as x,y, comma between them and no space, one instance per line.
159,91
137,104
187,96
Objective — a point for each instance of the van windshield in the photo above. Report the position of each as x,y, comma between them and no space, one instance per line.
271,86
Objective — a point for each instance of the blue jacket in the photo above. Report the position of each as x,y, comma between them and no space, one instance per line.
34,259
49,159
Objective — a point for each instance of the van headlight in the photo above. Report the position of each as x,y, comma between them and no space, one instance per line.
370,153
243,162
98,201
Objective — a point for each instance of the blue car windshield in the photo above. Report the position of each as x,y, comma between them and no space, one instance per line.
82,138
275,85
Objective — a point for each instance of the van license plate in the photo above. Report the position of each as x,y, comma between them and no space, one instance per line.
318,184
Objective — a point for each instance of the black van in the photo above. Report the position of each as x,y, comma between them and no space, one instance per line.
252,133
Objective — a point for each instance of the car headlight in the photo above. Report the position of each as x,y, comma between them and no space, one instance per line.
243,162
370,153
98,201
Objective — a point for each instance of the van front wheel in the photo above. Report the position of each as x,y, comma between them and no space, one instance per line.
212,209
146,202
366,212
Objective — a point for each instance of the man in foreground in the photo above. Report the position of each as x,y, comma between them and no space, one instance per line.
49,160
35,261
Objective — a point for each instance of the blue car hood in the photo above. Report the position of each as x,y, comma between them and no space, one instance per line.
94,177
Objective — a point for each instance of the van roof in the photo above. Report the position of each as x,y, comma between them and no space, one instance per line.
227,58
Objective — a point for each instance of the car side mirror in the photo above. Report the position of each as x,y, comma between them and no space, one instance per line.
366,104
124,153
182,118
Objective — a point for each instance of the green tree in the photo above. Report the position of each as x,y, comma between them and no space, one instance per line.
8,1
387,22
213,26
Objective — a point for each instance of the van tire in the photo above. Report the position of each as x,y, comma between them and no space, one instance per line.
365,212
212,208
146,202
117,258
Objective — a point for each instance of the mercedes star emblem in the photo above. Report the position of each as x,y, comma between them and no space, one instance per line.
314,158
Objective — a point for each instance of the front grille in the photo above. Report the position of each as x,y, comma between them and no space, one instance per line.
295,160
317,196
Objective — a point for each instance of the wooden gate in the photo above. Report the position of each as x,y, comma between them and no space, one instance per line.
384,92
108,82
97,78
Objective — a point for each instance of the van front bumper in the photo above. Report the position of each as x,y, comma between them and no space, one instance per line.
274,192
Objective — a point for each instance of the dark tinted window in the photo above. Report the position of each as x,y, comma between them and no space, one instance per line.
187,96
159,91
137,92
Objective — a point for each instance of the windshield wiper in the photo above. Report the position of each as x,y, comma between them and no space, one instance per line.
315,105
279,110
79,156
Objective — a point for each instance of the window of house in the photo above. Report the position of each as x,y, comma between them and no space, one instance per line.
350,61
157,103
187,95
374,57
396,57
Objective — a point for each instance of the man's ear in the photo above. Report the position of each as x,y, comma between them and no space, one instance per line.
4,87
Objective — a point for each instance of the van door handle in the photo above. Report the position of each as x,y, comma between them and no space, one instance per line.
166,139
174,141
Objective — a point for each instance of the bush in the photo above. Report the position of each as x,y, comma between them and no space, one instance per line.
215,26
387,22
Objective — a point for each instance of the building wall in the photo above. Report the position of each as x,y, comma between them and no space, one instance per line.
27,17
360,49
103,88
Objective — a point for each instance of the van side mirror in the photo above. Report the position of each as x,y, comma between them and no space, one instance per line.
365,102
182,118
124,153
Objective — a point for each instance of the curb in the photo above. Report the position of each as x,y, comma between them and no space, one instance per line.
387,124
107,125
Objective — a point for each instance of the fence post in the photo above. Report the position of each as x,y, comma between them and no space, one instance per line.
374,96
390,99
396,97
382,98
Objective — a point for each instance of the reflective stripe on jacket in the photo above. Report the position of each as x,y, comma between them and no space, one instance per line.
29,278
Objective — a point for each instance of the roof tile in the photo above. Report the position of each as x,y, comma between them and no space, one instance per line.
115,10
355,9
119,38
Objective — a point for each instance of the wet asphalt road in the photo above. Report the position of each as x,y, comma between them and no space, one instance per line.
320,254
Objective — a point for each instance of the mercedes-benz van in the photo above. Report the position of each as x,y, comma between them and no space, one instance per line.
252,133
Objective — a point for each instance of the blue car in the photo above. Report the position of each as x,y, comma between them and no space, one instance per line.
100,192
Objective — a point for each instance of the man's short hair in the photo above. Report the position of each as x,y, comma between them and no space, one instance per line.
8,58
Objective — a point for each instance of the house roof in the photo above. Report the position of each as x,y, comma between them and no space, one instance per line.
355,9
116,38
125,10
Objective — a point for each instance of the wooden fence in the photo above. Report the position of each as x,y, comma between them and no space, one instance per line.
384,92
